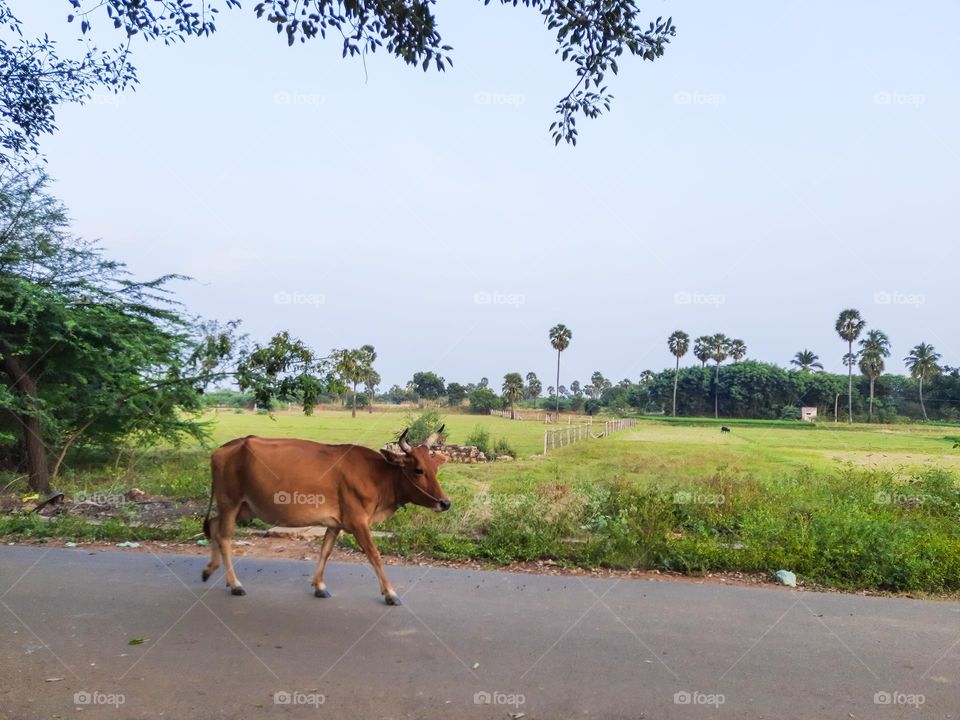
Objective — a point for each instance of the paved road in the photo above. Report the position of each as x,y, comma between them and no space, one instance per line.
549,647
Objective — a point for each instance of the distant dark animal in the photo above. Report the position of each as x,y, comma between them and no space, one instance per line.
724,429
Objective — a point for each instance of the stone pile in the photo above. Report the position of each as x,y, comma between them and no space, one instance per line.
454,453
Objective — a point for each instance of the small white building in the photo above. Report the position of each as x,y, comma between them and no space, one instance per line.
808,414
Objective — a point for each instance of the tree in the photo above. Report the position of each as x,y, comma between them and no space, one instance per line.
456,394
428,385
86,353
370,383
922,364
483,400
679,344
738,350
575,388
560,337
284,369
701,349
719,348
354,367
599,382
592,36
807,360
534,387
849,325
512,390
873,349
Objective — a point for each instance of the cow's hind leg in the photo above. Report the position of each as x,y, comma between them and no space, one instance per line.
227,523
365,540
329,542
214,563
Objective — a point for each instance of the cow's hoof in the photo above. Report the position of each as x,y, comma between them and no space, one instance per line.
392,600
238,591
321,593
206,575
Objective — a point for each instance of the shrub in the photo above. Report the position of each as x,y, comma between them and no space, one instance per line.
483,400
503,448
420,426
479,438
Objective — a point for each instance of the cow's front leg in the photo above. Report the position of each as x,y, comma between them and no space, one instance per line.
329,542
365,540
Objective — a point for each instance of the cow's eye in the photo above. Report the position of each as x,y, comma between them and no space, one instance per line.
419,471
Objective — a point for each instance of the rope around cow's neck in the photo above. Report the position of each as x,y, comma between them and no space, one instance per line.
403,474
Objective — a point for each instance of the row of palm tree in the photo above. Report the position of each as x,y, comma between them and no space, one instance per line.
716,347
922,362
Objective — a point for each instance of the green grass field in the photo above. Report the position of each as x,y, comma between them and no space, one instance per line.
849,506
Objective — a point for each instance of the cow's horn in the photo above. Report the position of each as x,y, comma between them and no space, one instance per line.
402,441
434,437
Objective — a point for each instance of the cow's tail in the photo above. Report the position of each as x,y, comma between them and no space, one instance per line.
206,520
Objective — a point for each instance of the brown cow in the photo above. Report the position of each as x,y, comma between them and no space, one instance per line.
300,483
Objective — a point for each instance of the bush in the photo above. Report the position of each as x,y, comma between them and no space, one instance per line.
483,400
503,448
789,412
479,438
420,426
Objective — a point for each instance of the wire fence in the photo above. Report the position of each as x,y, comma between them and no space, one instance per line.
561,437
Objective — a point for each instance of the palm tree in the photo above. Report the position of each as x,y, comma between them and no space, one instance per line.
922,364
738,349
807,360
849,326
560,337
679,344
370,384
874,348
701,349
719,349
534,387
512,389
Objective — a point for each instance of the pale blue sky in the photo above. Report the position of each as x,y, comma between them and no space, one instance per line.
783,161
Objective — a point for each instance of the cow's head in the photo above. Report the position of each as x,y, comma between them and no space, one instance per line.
419,472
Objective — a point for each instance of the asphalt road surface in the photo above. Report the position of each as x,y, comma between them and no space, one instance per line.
465,644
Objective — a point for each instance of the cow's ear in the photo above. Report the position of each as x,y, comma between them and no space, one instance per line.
392,457
439,459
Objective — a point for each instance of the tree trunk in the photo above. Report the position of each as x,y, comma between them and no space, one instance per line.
850,383
716,393
676,379
370,394
353,402
558,386
511,411
870,416
836,408
38,465
922,406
